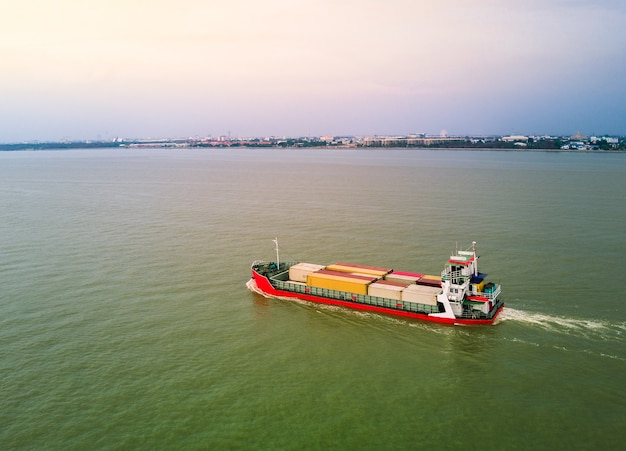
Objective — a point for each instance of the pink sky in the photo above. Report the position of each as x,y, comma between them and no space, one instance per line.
103,69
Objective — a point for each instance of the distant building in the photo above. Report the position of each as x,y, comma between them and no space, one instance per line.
400,141
578,145
514,138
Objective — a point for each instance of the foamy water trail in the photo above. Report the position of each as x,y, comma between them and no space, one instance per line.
252,286
585,328
590,328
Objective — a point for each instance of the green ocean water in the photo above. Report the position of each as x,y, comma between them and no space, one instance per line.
126,323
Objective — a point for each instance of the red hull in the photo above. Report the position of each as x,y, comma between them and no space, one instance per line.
266,287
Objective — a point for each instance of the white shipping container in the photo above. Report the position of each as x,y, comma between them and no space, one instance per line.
421,294
298,272
385,291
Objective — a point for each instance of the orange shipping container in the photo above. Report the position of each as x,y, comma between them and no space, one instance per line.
348,283
360,269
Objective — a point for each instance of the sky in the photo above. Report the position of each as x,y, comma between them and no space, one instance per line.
104,69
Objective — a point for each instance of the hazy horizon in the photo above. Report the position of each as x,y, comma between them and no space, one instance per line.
99,70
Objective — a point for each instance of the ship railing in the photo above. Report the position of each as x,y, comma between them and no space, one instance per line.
492,295
473,314
454,275
271,270
376,301
477,314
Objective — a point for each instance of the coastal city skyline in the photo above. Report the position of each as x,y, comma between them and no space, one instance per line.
102,70
576,142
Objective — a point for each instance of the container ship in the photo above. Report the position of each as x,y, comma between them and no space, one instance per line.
459,295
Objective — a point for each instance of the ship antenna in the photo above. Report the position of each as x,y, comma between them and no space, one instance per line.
475,258
277,257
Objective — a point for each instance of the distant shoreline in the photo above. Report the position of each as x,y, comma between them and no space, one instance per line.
84,146
519,143
408,149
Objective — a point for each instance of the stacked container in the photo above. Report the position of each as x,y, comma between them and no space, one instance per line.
339,281
387,289
369,280
421,294
299,272
359,269
403,277
431,281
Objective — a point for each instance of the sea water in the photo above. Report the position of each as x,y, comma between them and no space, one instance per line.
126,323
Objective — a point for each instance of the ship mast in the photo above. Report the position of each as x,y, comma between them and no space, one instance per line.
277,257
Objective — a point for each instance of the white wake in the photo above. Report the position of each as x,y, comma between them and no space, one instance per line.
575,326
